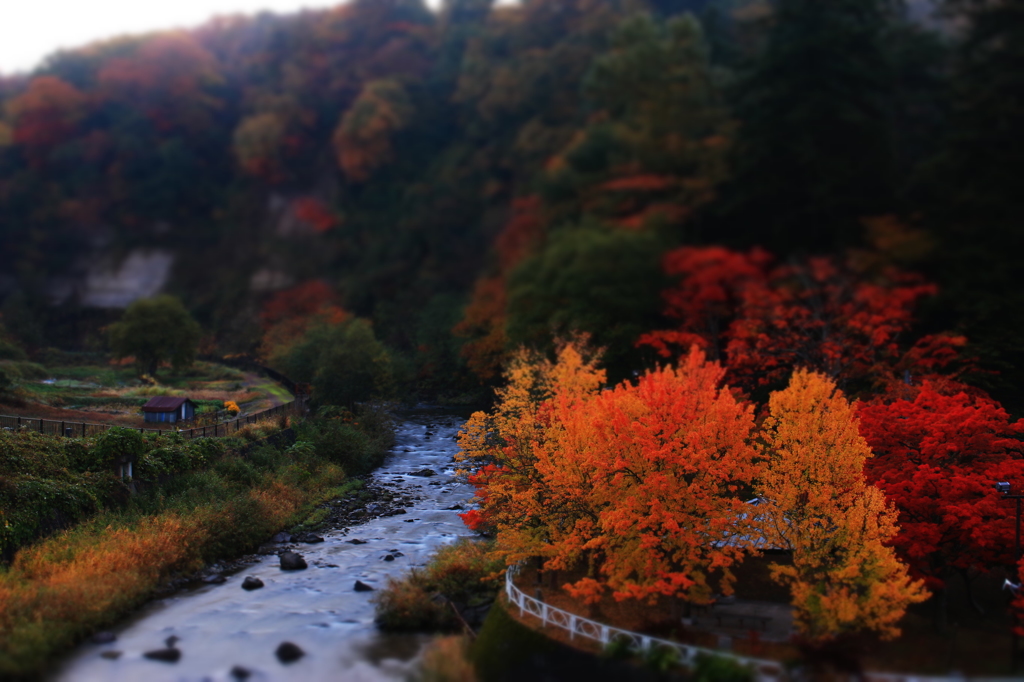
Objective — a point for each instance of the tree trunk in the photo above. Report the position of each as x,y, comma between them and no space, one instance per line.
942,609
970,591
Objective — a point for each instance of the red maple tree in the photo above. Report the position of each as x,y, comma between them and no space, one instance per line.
938,454
764,318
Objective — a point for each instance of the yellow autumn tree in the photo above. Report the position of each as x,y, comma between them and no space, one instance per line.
844,579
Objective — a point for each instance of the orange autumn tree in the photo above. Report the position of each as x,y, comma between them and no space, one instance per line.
644,483
816,502
501,446
662,467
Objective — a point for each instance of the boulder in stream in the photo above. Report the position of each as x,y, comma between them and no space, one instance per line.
103,637
356,541
424,473
169,655
282,537
251,583
308,538
239,673
288,652
290,561
360,586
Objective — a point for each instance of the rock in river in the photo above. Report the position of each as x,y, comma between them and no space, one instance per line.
251,583
424,473
169,655
288,652
362,587
290,561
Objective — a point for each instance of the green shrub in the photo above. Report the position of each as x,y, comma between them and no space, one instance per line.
238,470
117,442
661,659
711,668
342,444
9,350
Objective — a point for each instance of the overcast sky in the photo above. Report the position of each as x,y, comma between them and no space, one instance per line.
32,29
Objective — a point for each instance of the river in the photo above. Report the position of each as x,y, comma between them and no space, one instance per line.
227,633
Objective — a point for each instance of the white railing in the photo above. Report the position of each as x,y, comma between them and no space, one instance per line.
765,670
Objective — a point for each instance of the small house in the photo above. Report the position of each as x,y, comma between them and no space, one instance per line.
168,409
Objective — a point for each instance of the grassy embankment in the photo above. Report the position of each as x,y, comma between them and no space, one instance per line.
59,590
463,576
109,392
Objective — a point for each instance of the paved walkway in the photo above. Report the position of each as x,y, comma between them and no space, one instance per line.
773,622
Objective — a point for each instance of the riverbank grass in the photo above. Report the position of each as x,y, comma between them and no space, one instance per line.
66,587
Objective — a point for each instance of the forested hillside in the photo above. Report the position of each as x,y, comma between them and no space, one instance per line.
480,177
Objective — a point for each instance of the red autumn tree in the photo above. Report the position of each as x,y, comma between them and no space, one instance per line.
290,313
937,456
765,319
45,116
170,78
315,213
483,323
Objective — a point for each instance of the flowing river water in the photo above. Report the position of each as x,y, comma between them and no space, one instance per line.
225,633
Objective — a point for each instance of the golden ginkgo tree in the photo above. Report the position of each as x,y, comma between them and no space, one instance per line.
844,579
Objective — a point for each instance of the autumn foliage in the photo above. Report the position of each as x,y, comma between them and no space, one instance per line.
816,502
647,485
938,454
644,481
288,314
762,318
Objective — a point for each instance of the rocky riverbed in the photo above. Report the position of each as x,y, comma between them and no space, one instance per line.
300,608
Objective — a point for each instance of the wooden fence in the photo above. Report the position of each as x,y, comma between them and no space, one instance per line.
83,429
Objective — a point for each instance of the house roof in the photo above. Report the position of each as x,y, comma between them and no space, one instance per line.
164,403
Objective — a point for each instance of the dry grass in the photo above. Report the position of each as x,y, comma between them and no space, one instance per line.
446,660
60,590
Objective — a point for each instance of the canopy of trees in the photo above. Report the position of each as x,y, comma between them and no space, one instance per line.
453,161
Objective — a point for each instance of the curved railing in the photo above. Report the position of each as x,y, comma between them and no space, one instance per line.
766,670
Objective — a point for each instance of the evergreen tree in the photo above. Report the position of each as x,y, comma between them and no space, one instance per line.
814,152
978,198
